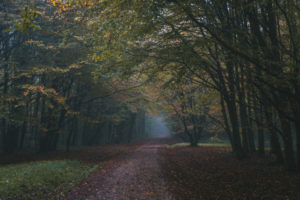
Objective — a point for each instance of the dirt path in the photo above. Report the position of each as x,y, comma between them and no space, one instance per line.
136,175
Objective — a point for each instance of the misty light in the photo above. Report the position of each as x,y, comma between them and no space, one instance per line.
158,127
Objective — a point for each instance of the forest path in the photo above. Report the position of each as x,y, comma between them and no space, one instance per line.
135,175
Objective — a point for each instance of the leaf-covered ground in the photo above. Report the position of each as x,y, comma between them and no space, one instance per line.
28,175
156,171
213,173
136,175
153,170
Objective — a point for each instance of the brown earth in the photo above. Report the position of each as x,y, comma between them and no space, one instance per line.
136,175
148,170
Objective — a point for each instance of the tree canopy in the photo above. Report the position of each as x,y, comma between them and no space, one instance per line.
81,72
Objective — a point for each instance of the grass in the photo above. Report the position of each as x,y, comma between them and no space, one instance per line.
184,144
37,180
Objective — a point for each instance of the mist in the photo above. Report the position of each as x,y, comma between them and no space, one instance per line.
158,127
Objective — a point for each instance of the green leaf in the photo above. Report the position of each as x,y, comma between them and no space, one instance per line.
7,30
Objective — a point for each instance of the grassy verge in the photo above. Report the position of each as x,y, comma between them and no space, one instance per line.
185,144
43,179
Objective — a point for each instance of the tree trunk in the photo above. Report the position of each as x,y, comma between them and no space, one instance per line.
131,129
298,142
260,131
288,143
23,132
274,141
227,128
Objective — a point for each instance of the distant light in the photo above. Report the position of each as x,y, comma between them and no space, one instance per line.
159,127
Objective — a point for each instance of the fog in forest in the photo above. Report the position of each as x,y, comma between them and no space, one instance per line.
158,127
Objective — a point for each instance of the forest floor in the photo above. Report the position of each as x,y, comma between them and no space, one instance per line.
209,172
153,170
157,171
135,175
